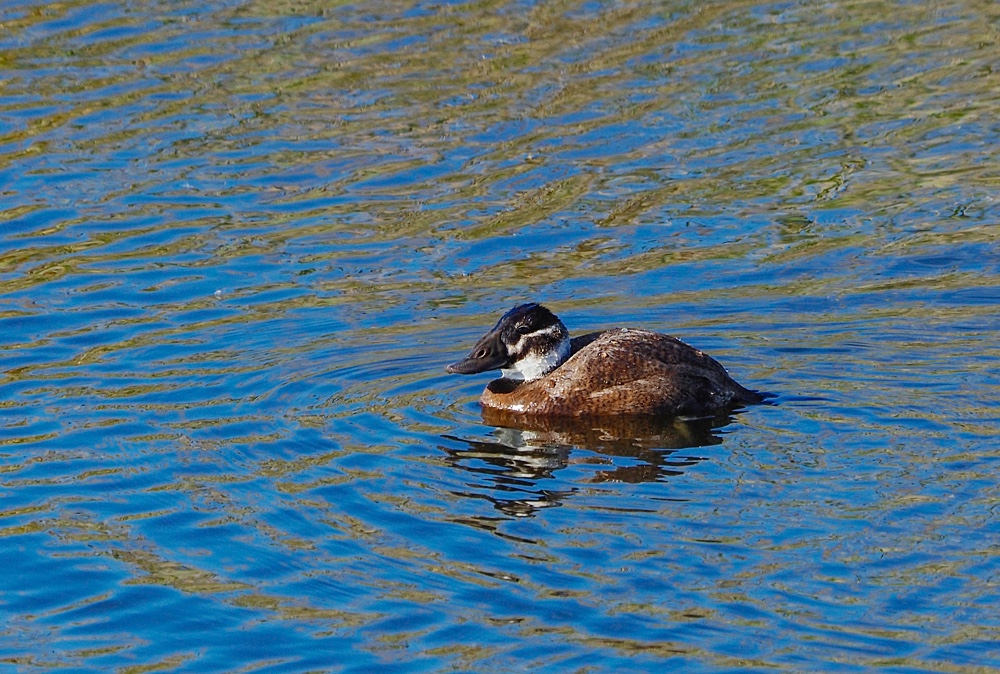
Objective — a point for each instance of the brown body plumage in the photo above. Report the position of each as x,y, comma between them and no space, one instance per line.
621,371
624,371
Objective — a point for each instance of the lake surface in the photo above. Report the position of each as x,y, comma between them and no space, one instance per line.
239,241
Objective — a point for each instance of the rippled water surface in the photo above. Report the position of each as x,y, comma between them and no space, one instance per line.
240,240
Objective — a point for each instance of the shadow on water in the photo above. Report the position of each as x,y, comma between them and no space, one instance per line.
528,451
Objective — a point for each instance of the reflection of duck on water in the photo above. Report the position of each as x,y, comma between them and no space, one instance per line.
614,372
524,455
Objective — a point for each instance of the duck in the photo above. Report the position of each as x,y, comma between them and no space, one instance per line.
620,371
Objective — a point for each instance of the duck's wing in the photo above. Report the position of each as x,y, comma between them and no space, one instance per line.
579,342
648,373
624,371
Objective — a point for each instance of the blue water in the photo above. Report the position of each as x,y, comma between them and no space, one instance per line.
239,242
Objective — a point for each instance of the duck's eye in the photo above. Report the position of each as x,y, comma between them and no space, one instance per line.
481,353
523,329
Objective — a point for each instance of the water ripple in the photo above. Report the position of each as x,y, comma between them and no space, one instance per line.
239,241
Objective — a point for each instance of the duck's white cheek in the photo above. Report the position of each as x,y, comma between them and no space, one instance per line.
523,341
513,375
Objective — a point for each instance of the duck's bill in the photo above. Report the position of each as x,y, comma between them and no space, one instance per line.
487,354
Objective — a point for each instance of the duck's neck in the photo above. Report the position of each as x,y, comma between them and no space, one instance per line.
536,365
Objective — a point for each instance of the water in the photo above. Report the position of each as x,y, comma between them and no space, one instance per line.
240,241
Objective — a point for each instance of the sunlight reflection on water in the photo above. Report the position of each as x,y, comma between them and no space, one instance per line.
239,242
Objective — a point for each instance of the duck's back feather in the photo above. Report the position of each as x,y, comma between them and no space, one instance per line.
625,371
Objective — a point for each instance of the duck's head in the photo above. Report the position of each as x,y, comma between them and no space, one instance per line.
528,342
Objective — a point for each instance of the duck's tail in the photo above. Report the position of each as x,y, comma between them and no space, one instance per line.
748,396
